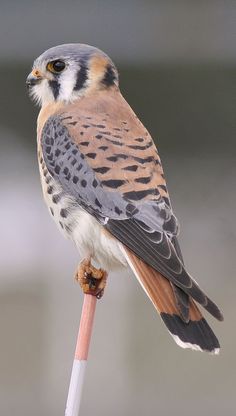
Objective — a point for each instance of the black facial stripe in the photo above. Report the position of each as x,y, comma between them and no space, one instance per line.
55,87
109,76
82,76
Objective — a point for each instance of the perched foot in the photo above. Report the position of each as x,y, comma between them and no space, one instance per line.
91,280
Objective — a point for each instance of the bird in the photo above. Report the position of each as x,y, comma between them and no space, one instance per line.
103,182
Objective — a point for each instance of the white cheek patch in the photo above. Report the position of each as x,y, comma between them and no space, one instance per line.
42,93
67,82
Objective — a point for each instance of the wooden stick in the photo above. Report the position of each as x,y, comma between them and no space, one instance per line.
81,355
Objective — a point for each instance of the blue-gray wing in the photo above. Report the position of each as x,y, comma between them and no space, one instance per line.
140,219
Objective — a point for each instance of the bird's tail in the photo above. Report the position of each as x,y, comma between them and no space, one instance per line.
196,333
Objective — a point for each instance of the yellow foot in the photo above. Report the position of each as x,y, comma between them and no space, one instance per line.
91,280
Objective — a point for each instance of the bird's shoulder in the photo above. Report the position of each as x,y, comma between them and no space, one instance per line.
115,144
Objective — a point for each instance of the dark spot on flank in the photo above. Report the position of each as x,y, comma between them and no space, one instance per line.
66,118
98,136
86,126
75,179
83,183
117,129
72,123
116,142
62,226
79,167
112,158
118,210
75,151
66,170
138,195
139,147
50,190
103,147
48,149
124,122
49,141
131,210
98,203
50,157
145,179
113,183
139,139
56,198
68,146
143,160
68,228
100,126
116,157
64,213
166,200
84,143
57,152
91,155
163,187
81,133
95,183
102,169
122,156
41,160
68,176
73,162
108,133
52,212
131,168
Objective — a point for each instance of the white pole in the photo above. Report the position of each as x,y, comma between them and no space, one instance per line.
81,355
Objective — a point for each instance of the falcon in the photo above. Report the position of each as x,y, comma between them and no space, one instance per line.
103,183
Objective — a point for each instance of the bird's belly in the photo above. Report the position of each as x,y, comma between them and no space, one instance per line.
92,240
75,223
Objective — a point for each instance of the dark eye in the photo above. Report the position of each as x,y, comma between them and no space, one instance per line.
56,66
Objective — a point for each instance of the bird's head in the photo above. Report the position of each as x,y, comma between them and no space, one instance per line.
68,72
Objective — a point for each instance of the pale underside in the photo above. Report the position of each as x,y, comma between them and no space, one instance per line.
88,235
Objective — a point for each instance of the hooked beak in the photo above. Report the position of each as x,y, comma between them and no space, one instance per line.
34,78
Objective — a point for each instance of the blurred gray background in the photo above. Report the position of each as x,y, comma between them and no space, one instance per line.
177,66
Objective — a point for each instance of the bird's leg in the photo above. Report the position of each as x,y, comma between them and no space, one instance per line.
91,280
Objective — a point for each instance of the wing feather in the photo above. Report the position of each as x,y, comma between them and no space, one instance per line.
195,333
94,160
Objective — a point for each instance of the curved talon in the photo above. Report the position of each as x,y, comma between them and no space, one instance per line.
100,294
91,280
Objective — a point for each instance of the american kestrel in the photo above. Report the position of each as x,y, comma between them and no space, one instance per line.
103,183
